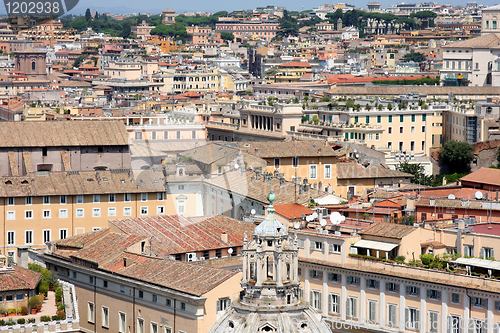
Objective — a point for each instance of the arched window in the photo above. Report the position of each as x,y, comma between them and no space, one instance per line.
33,65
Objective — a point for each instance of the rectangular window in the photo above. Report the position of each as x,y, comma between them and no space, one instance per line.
334,303
112,198
79,212
127,211
178,134
19,297
63,213
168,302
105,317
392,287
144,197
487,252
28,237
433,322
11,201
295,162
455,298
91,312
401,118
28,201
46,214
392,315
333,277
11,215
468,251
315,274
144,210
367,119
193,134
413,291
46,200
379,119
328,171
412,319
433,294
111,211
390,118
318,246
478,302
222,304
96,212
122,289
46,236
316,299
140,325
412,118
183,306
79,199
423,117
63,199
353,280
127,197
372,284
141,294
351,308
335,248
154,328
165,135
155,298
153,135
161,196
96,198
276,163
63,233
401,128
160,210
28,214
313,171
454,324
122,322
372,311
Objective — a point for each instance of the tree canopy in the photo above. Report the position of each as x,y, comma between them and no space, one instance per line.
457,155
414,56
176,30
288,25
226,36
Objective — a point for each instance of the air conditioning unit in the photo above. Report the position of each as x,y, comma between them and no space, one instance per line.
191,256
201,258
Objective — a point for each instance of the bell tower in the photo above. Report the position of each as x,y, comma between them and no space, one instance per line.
270,264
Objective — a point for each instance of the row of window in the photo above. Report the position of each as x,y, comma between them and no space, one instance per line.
389,118
412,315
10,297
313,168
318,246
29,236
401,130
122,321
96,198
153,135
80,212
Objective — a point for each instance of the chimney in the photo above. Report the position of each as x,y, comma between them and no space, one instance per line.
223,237
22,256
256,151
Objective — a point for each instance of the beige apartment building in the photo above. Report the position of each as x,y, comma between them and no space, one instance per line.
125,70
362,294
122,285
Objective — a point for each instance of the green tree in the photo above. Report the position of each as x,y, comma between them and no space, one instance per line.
288,25
96,16
389,107
88,16
414,56
225,35
177,30
457,155
417,170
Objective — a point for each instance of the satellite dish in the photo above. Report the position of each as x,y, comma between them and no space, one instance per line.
296,225
252,212
355,151
322,222
451,197
314,215
230,250
236,166
336,218
478,195
303,216
357,155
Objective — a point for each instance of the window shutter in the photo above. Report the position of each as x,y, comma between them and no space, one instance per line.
472,326
319,301
330,246
373,311
311,273
355,308
229,302
218,306
492,253
449,324
483,302
348,307
311,299
417,320
330,310
396,288
367,283
407,318
387,286
349,279
417,291
377,284
428,293
312,245
481,254
438,295
394,310
408,290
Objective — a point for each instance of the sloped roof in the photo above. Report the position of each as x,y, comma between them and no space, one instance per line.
272,149
296,64
18,278
292,210
485,41
388,230
487,176
178,234
356,171
60,134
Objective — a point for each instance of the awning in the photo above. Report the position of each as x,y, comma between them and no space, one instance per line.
309,129
482,263
373,245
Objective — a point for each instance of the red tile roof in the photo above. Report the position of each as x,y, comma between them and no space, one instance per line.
18,278
488,176
296,64
292,210
388,230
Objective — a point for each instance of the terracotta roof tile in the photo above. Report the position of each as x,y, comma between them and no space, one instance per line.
292,210
487,176
388,230
18,278
354,170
